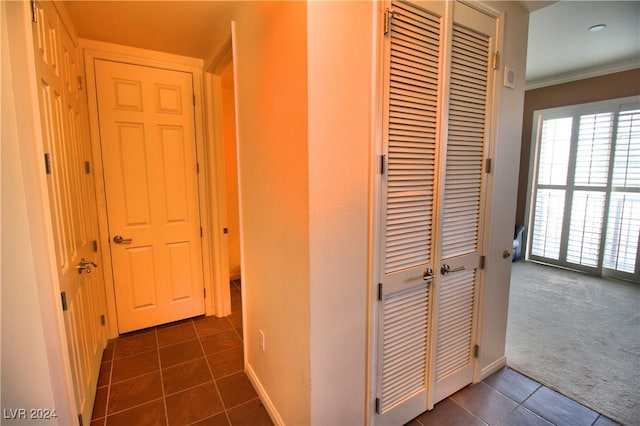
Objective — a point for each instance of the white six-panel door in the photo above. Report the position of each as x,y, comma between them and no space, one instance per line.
72,199
147,137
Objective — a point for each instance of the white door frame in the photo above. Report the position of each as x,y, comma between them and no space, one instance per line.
213,284
216,177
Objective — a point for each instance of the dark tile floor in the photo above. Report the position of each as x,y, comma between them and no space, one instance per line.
184,373
191,373
508,398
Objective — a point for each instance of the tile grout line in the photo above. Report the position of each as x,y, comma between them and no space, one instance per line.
213,378
520,404
464,408
542,385
134,406
257,398
164,396
157,333
113,359
540,414
501,421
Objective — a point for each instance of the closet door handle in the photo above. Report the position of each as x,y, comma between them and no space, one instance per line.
428,274
445,269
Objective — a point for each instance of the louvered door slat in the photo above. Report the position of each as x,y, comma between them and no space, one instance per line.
427,99
412,115
464,132
411,119
454,322
404,345
412,127
462,204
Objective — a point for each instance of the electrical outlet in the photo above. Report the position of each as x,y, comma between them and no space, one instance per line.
261,340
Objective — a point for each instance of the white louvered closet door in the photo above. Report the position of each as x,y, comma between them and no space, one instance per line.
412,52
462,211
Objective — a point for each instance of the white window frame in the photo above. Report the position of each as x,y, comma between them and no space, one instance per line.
614,106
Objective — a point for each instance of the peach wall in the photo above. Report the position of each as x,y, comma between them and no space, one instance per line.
340,56
611,86
271,94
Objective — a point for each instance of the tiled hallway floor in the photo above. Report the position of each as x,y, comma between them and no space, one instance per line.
184,373
508,398
191,373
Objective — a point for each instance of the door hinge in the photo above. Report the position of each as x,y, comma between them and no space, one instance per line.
379,291
194,100
94,246
225,230
388,16
79,83
87,167
103,320
476,351
201,232
47,163
198,168
34,12
483,260
496,60
63,296
487,165
204,292
377,405
383,159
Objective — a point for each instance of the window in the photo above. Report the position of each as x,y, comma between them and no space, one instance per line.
585,204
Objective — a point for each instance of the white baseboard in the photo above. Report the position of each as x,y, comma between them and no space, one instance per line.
493,367
268,404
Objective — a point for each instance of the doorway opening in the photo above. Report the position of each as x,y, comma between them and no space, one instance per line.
222,180
577,334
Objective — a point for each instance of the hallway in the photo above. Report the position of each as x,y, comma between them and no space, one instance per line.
182,373
191,373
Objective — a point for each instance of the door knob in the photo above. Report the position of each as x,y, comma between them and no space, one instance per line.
445,269
428,274
119,240
85,265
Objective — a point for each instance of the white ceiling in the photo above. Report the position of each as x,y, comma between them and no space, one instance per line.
560,46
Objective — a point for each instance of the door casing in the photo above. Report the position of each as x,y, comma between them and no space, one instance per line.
94,50
164,228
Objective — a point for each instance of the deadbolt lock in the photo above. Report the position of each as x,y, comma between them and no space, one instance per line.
85,265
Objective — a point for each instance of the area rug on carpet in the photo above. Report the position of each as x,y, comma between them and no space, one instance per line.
579,335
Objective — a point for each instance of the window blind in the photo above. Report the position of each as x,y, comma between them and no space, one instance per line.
586,209
623,229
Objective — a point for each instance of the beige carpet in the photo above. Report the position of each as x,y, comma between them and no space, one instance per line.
579,335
